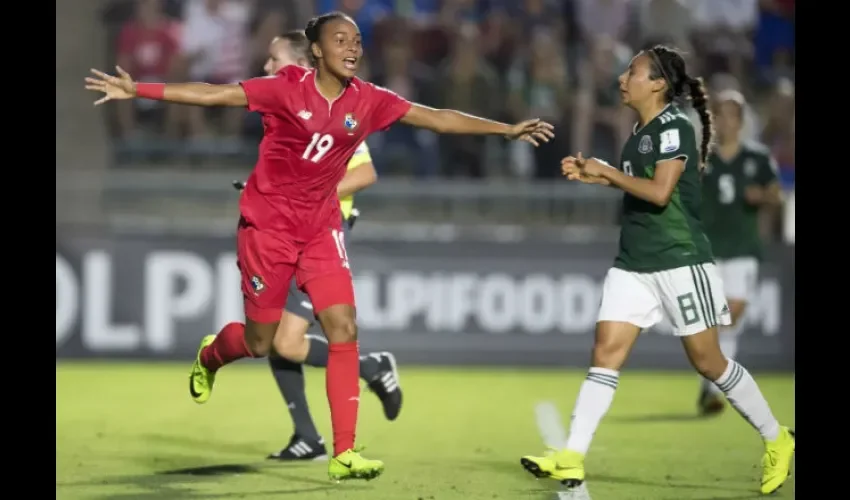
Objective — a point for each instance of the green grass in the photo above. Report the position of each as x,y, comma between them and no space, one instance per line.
130,431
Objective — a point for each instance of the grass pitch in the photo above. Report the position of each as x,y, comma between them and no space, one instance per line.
130,431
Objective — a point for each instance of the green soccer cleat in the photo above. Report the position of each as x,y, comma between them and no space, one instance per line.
566,466
776,462
350,465
201,380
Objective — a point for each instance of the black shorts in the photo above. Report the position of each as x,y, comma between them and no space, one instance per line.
297,302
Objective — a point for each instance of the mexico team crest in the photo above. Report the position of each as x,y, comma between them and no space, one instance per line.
645,145
350,122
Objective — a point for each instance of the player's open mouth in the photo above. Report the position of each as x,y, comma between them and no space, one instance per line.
350,63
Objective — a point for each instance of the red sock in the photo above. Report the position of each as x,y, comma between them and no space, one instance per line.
343,385
229,345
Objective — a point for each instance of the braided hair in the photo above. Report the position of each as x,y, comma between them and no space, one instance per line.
669,64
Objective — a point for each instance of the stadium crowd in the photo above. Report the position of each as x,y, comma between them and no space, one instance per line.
506,59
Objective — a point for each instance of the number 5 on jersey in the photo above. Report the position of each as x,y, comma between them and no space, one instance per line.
321,144
339,241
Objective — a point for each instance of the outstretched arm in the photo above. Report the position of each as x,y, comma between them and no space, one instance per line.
199,94
449,121
390,108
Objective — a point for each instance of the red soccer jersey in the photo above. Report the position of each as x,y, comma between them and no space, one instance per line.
307,143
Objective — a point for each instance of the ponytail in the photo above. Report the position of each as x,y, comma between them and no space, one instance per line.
699,100
670,65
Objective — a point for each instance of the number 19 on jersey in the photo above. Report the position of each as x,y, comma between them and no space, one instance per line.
318,147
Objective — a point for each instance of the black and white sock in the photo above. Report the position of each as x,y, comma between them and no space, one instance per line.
745,396
290,380
593,401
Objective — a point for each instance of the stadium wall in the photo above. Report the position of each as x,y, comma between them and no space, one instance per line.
523,304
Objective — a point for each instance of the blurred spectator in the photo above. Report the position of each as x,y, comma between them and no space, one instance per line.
779,133
147,47
602,19
270,18
456,13
538,87
751,126
366,13
402,74
722,30
601,123
421,13
664,22
499,38
365,71
774,39
467,83
504,59
214,48
535,14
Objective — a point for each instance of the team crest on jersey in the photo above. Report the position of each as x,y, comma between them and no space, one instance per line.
350,122
750,168
257,284
645,145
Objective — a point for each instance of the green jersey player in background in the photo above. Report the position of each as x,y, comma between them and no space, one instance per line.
739,179
665,268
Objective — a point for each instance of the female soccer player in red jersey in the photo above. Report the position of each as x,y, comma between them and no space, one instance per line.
290,223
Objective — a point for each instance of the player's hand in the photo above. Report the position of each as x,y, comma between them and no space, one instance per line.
573,168
570,169
533,131
754,195
115,87
587,166
238,185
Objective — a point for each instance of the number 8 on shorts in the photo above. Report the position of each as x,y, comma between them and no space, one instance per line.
691,298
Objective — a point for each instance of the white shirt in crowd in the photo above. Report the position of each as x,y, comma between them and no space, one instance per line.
216,42
734,14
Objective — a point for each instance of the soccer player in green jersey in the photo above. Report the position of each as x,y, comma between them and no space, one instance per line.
664,269
739,179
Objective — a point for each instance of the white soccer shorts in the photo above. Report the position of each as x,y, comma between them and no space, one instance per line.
740,277
691,298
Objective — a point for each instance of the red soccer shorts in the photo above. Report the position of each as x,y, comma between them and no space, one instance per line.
268,261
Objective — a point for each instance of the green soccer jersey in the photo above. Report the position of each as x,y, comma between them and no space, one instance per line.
730,222
654,238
